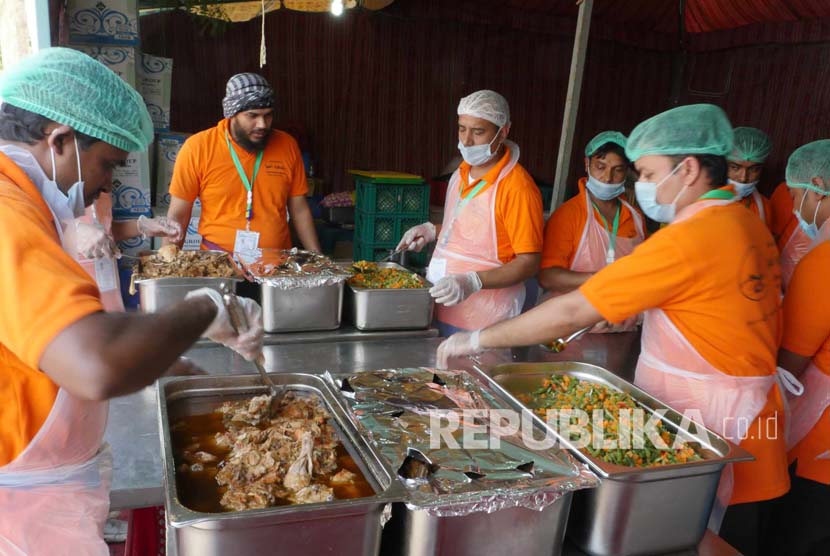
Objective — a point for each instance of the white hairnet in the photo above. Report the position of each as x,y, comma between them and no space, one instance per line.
485,104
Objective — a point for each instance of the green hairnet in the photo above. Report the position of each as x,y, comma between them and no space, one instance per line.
72,89
807,162
750,144
691,129
602,138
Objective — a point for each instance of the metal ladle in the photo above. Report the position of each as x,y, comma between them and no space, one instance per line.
560,344
240,324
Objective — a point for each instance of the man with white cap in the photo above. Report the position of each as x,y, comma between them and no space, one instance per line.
712,315
66,121
246,175
490,241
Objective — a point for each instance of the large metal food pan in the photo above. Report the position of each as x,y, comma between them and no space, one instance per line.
391,309
348,527
157,294
510,531
635,511
302,309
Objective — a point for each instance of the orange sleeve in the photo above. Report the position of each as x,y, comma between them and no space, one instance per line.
186,179
781,210
42,289
520,208
651,276
807,305
299,184
562,233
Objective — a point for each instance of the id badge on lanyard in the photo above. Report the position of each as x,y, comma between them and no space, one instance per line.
611,254
246,241
105,274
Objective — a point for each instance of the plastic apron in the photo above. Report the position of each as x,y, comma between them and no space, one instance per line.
794,250
54,496
468,243
598,247
104,270
807,409
672,370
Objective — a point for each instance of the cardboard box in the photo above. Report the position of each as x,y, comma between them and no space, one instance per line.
192,239
109,22
167,148
120,59
155,79
131,187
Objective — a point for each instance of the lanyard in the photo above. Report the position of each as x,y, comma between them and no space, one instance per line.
612,232
249,185
459,206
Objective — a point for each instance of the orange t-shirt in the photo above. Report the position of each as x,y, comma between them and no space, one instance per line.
807,333
724,298
563,230
519,214
783,221
42,291
204,169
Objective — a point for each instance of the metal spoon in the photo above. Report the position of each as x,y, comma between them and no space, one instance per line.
560,344
239,322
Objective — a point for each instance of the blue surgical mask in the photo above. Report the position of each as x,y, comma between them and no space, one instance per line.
810,229
478,155
75,194
604,191
743,189
647,199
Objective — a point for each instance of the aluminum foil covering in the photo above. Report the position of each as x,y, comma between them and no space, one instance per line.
393,408
291,269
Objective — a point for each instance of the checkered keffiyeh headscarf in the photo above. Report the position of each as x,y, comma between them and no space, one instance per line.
247,91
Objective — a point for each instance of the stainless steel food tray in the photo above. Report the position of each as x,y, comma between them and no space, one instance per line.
349,527
391,309
302,309
635,511
157,294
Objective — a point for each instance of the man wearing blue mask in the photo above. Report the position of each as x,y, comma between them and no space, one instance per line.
709,285
491,237
745,165
597,226
808,177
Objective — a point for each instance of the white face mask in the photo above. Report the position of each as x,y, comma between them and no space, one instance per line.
647,199
743,189
75,195
478,155
604,191
810,229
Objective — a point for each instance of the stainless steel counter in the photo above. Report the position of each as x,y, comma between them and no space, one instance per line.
345,333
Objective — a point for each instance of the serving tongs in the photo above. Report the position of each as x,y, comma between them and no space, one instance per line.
240,325
560,344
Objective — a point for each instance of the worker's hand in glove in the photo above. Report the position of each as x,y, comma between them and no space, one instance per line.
417,237
247,343
455,288
159,227
458,345
91,241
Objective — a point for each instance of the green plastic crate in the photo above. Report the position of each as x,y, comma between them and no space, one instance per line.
376,228
408,199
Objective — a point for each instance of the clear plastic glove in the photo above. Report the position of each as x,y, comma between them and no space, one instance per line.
248,344
159,227
455,288
91,241
417,237
458,345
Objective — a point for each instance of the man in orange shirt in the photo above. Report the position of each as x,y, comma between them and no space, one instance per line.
246,175
61,356
746,163
491,237
577,246
805,351
712,307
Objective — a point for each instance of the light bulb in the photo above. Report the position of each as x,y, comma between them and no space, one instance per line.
337,7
